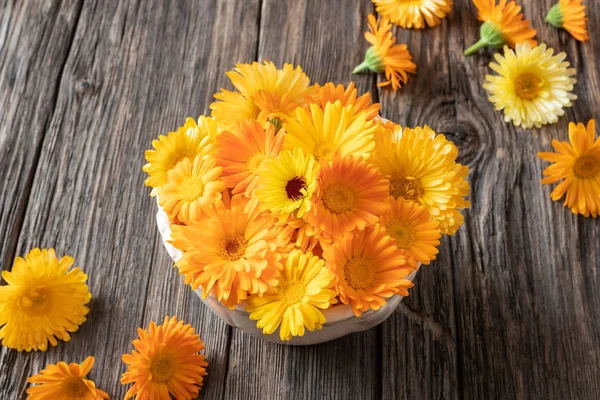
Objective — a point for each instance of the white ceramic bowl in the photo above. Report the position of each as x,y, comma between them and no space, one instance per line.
341,320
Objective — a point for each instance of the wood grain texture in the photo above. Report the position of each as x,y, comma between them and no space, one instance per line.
135,70
510,308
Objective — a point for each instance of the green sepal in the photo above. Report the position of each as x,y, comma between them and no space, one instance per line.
373,61
555,16
490,36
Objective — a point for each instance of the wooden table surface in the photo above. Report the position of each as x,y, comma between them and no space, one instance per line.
510,309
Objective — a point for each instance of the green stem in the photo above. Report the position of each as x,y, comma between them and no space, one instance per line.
481,43
361,67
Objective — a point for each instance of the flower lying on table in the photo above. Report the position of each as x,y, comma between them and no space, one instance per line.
570,16
577,167
533,86
43,301
324,202
415,13
166,362
62,381
503,24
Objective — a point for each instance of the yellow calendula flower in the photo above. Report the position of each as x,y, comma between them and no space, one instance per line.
264,93
287,184
385,55
244,152
413,228
42,302
337,129
369,268
570,16
65,381
533,86
166,362
351,194
577,167
415,14
503,24
305,287
191,185
234,250
330,93
421,167
191,139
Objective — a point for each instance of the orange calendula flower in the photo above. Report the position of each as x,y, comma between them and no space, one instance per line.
62,381
165,363
234,250
265,93
503,23
413,228
191,185
415,14
385,55
577,167
570,16
187,142
44,300
330,93
350,194
369,268
244,152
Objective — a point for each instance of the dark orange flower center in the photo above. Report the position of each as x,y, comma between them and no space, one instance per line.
338,198
527,86
162,367
294,188
586,166
403,232
73,387
359,273
234,248
406,187
36,300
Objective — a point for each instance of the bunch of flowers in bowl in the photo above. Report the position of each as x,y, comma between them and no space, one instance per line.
295,211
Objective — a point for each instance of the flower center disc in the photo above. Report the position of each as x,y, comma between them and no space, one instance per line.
294,188
292,293
403,233
179,156
527,86
359,273
406,187
586,166
35,301
257,162
162,367
338,198
192,189
74,387
323,150
234,248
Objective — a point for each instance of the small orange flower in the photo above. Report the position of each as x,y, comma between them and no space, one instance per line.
570,16
385,55
369,268
62,381
166,362
330,93
577,167
244,152
503,23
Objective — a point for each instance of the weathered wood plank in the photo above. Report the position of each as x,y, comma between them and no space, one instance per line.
135,70
325,38
35,38
419,339
524,269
